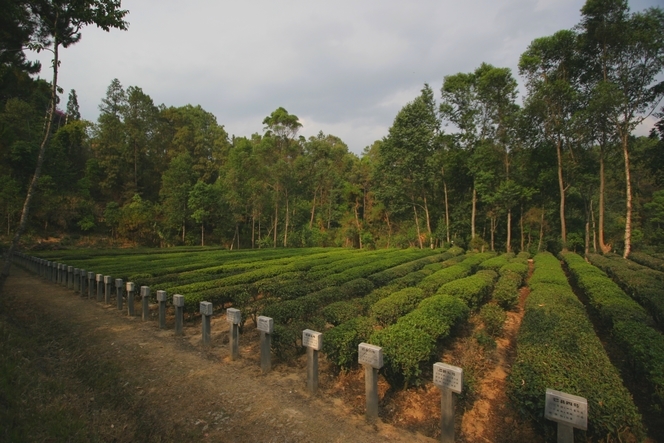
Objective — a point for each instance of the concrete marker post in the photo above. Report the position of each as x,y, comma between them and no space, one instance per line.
206,313
313,341
178,302
59,274
108,281
100,286
91,284
266,326
131,289
119,286
234,317
82,277
77,273
371,357
145,303
161,299
568,411
70,277
449,379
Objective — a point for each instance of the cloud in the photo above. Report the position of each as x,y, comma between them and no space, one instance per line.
344,67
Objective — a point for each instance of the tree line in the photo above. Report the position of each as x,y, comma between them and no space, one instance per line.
466,165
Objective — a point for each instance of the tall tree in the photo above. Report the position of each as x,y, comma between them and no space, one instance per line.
550,66
59,24
405,156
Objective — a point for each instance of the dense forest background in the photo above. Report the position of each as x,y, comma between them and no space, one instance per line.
464,163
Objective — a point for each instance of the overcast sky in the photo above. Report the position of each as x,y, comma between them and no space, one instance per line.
343,67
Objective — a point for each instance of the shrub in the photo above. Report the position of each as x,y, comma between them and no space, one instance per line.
341,342
389,309
493,317
473,290
496,263
506,290
557,348
411,341
341,311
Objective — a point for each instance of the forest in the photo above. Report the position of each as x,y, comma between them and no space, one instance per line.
467,163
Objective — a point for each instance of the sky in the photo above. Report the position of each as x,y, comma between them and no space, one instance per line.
345,67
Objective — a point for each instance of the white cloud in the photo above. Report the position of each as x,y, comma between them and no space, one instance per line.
347,67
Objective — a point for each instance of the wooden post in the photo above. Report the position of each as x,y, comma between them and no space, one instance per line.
313,341
131,289
569,411
449,379
178,302
145,302
206,312
118,290
371,357
266,326
161,299
234,317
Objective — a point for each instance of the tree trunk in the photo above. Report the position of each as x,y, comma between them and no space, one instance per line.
313,210
253,229
276,219
447,210
592,218
509,231
237,232
417,225
602,182
541,233
202,234
426,211
357,220
286,228
521,229
561,188
389,228
628,198
472,214
493,232
40,161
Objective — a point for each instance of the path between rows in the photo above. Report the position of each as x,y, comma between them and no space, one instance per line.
187,387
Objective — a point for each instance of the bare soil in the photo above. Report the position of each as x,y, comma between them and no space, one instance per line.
180,391
173,389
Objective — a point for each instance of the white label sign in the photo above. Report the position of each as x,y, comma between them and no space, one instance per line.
118,283
312,339
145,291
371,355
265,324
100,277
131,287
567,409
233,316
178,300
161,296
108,279
448,377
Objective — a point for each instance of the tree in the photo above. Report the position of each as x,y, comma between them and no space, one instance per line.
73,113
59,25
405,154
203,199
177,182
550,66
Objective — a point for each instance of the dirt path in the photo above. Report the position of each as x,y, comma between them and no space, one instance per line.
191,393
491,419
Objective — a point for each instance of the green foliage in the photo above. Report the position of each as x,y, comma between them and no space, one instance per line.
557,348
388,310
411,342
340,344
506,290
493,317
641,283
473,290
342,311
630,324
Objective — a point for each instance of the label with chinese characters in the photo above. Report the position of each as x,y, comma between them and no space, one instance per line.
448,377
265,324
370,355
567,409
233,316
312,339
